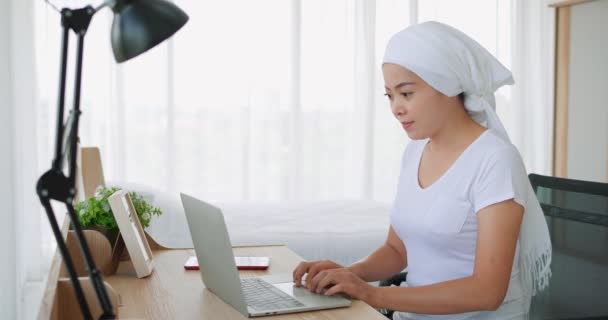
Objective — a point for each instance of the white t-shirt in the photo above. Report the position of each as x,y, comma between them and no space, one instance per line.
438,224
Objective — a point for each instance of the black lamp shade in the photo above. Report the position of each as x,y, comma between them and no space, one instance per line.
140,25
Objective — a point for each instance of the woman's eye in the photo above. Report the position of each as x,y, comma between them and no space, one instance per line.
406,94
387,95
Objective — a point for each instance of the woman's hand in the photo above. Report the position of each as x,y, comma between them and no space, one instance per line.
312,268
341,280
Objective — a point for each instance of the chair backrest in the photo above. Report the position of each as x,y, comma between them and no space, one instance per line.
577,217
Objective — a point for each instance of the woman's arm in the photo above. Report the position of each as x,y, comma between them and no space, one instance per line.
498,229
384,262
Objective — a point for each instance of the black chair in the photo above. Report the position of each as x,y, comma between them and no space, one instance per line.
577,217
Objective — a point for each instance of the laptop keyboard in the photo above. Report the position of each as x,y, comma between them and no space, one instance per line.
261,295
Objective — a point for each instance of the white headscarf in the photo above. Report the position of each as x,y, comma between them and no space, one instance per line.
453,63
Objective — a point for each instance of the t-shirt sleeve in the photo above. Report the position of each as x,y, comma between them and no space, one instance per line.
502,176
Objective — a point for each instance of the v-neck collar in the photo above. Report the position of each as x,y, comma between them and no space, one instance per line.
449,170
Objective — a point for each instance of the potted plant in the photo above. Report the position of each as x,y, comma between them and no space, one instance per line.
95,213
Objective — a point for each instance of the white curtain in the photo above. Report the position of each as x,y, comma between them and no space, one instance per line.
533,58
25,231
279,100
253,100
275,100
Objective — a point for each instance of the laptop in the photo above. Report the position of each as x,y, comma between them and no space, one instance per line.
254,296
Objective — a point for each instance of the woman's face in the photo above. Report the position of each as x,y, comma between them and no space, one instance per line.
420,109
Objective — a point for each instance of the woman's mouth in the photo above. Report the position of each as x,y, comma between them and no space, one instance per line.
407,124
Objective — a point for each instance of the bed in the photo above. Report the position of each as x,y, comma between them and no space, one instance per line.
342,230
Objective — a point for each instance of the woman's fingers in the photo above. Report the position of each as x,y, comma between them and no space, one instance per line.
340,281
335,289
299,272
324,280
312,269
312,274
314,282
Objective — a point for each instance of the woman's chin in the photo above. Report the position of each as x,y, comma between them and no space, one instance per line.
415,135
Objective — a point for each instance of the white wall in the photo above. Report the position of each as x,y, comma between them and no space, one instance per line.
588,93
8,299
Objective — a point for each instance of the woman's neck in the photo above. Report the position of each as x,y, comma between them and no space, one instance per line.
456,135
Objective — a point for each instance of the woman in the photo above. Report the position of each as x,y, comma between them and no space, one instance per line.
465,221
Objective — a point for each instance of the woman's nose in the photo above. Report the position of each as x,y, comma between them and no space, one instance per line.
398,109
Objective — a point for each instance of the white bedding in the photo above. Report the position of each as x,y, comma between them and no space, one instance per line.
344,231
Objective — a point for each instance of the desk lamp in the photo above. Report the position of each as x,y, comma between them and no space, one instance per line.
138,25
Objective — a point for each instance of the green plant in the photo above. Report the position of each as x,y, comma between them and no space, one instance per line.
96,210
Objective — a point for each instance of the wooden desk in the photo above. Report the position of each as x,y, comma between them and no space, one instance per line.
174,293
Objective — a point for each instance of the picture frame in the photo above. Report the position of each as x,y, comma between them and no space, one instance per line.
132,233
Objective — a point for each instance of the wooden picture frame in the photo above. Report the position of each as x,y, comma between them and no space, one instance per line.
132,233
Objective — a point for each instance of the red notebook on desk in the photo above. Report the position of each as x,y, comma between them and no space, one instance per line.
242,263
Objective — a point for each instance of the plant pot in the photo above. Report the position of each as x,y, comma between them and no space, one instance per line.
110,235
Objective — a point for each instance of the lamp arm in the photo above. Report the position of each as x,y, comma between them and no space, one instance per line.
58,160
57,185
54,184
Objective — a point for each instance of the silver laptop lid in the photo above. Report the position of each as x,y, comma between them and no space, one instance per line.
214,251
